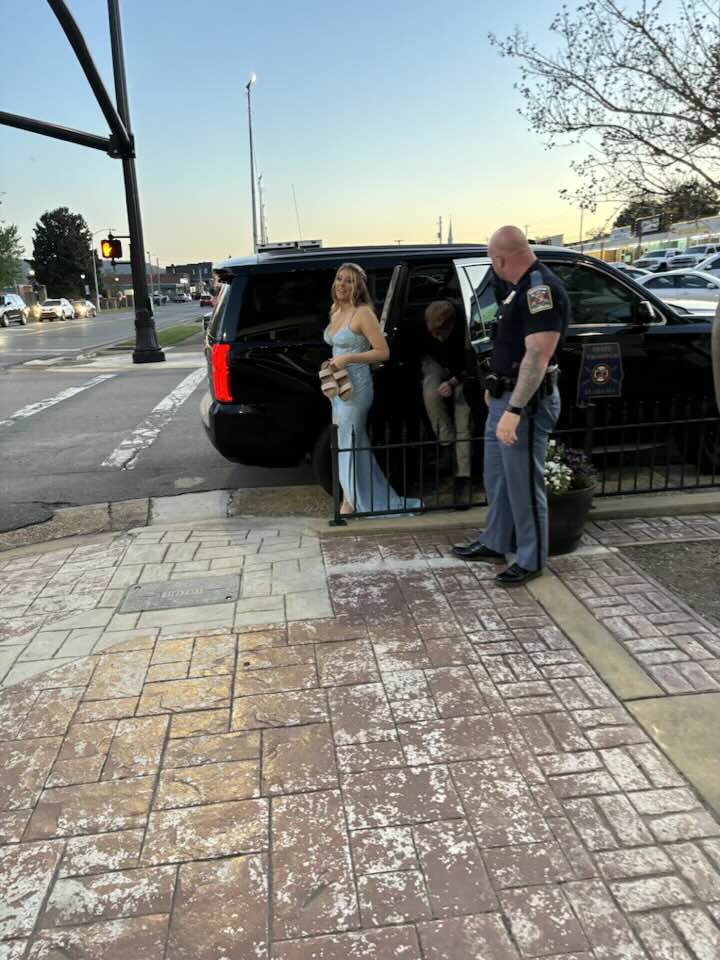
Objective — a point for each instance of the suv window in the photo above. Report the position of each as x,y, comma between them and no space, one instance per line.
660,283
426,283
691,281
595,299
294,306
221,301
483,305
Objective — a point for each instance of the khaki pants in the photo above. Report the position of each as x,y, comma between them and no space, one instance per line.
445,429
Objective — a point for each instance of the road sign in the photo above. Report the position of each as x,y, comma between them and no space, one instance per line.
646,225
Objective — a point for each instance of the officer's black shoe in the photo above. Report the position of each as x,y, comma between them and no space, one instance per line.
477,551
516,576
461,493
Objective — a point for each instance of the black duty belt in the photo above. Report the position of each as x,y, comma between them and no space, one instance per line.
498,385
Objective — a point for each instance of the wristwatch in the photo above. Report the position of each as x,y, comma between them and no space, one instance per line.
516,410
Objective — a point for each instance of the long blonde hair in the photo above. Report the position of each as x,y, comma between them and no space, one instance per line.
360,293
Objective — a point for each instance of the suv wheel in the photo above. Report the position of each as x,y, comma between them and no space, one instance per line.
321,465
4,322
23,319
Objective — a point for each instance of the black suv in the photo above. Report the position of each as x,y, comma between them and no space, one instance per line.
264,343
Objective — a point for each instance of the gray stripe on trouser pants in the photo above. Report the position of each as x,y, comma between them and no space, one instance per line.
515,483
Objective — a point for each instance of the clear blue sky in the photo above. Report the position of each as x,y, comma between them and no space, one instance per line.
383,114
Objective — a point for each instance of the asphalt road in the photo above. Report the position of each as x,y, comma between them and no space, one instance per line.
99,428
40,341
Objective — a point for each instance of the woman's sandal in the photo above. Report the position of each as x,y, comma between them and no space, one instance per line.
343,383
327,381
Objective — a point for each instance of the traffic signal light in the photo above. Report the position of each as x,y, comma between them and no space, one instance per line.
111,248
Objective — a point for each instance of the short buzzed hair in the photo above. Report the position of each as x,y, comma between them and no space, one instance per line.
510,241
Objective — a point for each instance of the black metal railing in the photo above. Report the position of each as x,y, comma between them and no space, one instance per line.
643,447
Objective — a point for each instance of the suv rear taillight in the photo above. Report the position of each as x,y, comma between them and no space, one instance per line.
220,372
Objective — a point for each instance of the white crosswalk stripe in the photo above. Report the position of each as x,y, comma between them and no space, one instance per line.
124,456
32,408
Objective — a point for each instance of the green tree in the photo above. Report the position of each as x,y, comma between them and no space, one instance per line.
11,252
687,201
646,206
62,252
636,83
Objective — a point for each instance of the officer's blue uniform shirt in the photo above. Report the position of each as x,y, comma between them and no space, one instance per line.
538,302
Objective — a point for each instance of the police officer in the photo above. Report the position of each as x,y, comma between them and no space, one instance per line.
523,408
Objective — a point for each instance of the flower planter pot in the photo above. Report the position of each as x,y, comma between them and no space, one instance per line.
567,513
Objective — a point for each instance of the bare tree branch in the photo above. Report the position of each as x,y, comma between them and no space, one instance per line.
639,86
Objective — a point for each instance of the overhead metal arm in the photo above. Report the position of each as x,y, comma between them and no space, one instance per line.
60,133
121,136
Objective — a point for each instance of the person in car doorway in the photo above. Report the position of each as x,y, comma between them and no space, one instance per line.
443,370
357,342
523,408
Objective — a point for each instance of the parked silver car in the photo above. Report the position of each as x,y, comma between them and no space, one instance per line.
679,285
12,309
711,265
629,271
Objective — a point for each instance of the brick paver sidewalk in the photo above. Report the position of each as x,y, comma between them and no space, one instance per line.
428,771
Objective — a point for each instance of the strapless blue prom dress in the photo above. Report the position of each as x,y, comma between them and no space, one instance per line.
364,484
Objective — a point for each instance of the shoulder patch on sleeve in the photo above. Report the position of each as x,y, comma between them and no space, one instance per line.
539,298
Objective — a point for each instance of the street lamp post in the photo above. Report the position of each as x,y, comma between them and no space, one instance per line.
97,292
248,87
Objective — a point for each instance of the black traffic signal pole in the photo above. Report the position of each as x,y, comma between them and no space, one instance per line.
119,144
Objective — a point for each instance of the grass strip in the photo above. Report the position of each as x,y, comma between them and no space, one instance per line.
169,336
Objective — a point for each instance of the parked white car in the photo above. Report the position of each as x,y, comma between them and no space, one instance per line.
60,309
634,272
680,285
656,260
711,265
692,257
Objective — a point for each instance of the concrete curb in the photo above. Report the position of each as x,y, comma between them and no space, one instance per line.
620,671
312,504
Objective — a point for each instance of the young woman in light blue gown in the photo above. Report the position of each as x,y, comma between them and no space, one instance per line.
357,342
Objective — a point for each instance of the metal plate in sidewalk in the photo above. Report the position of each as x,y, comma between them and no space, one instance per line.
167,594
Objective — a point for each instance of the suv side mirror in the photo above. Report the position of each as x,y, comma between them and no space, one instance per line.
645,312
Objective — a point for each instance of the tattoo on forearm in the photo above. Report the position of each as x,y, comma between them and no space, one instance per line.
530,376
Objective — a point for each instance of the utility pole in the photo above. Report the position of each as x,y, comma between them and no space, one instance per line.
119,145
152,286
147,349
97,293
248,87
263,222
439,233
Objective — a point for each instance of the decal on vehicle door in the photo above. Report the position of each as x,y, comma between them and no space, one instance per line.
601,372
